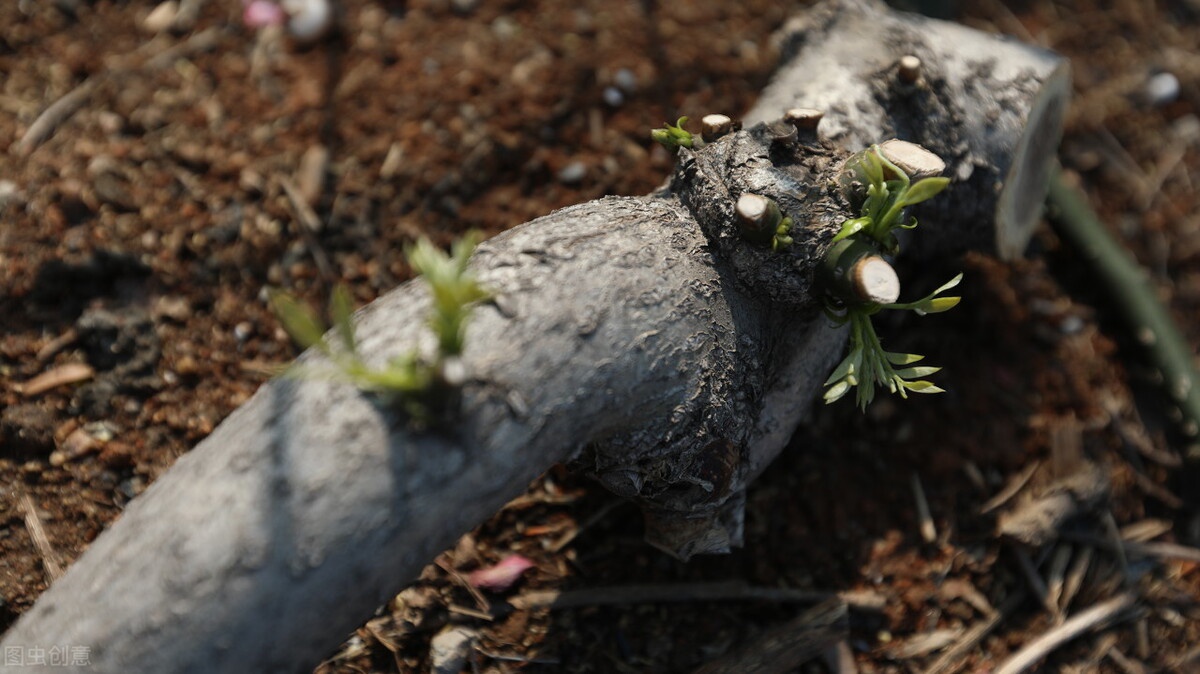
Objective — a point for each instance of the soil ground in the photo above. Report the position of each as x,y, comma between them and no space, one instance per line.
138,237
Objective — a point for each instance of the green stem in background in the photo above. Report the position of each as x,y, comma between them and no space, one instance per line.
1136,298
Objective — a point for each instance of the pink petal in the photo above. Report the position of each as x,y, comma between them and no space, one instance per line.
502,575
262,13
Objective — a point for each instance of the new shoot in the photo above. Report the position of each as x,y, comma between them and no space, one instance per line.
418,385
888,191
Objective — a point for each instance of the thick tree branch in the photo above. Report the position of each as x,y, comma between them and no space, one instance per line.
641,338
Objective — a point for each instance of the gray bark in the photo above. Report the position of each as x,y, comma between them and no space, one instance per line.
639,338
991,108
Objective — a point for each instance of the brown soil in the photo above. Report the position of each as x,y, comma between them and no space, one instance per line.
139,236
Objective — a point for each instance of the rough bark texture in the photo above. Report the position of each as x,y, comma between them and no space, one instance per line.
638,337
991,108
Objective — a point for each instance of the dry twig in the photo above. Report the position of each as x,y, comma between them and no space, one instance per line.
58,112
1010,490
928,529
310,225
38,533
683,592
1039,648
952,659
1074,579
782,648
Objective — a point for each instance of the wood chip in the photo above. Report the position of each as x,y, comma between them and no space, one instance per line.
925,643
1074,579
160,18
1010,490
70,373
76,444
1036,584
1036,650
957,588
1038,521
310,175
1125,663
1056,575
951,659
51,348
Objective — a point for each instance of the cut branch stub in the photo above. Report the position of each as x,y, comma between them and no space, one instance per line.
991,107
804,119
727,185
716,125
856,272
908,69
916,162
874,280
758,217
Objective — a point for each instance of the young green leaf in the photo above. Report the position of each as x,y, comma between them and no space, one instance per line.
887,166
341,310
850,228
672,137
846,367
914,372
922,387
924,190
835,392
936,305
930,305
298,319
903,358
872,165
948,284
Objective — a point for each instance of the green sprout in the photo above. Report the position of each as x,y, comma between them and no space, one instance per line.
673,137
782,238
762,223
886,199
868,365
416,384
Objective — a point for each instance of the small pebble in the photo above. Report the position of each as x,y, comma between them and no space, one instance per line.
1186,129
8,193
1162,89
625,80
505,28
308,20
1071,325
613,97
572,173
464,6
310,175
242,331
